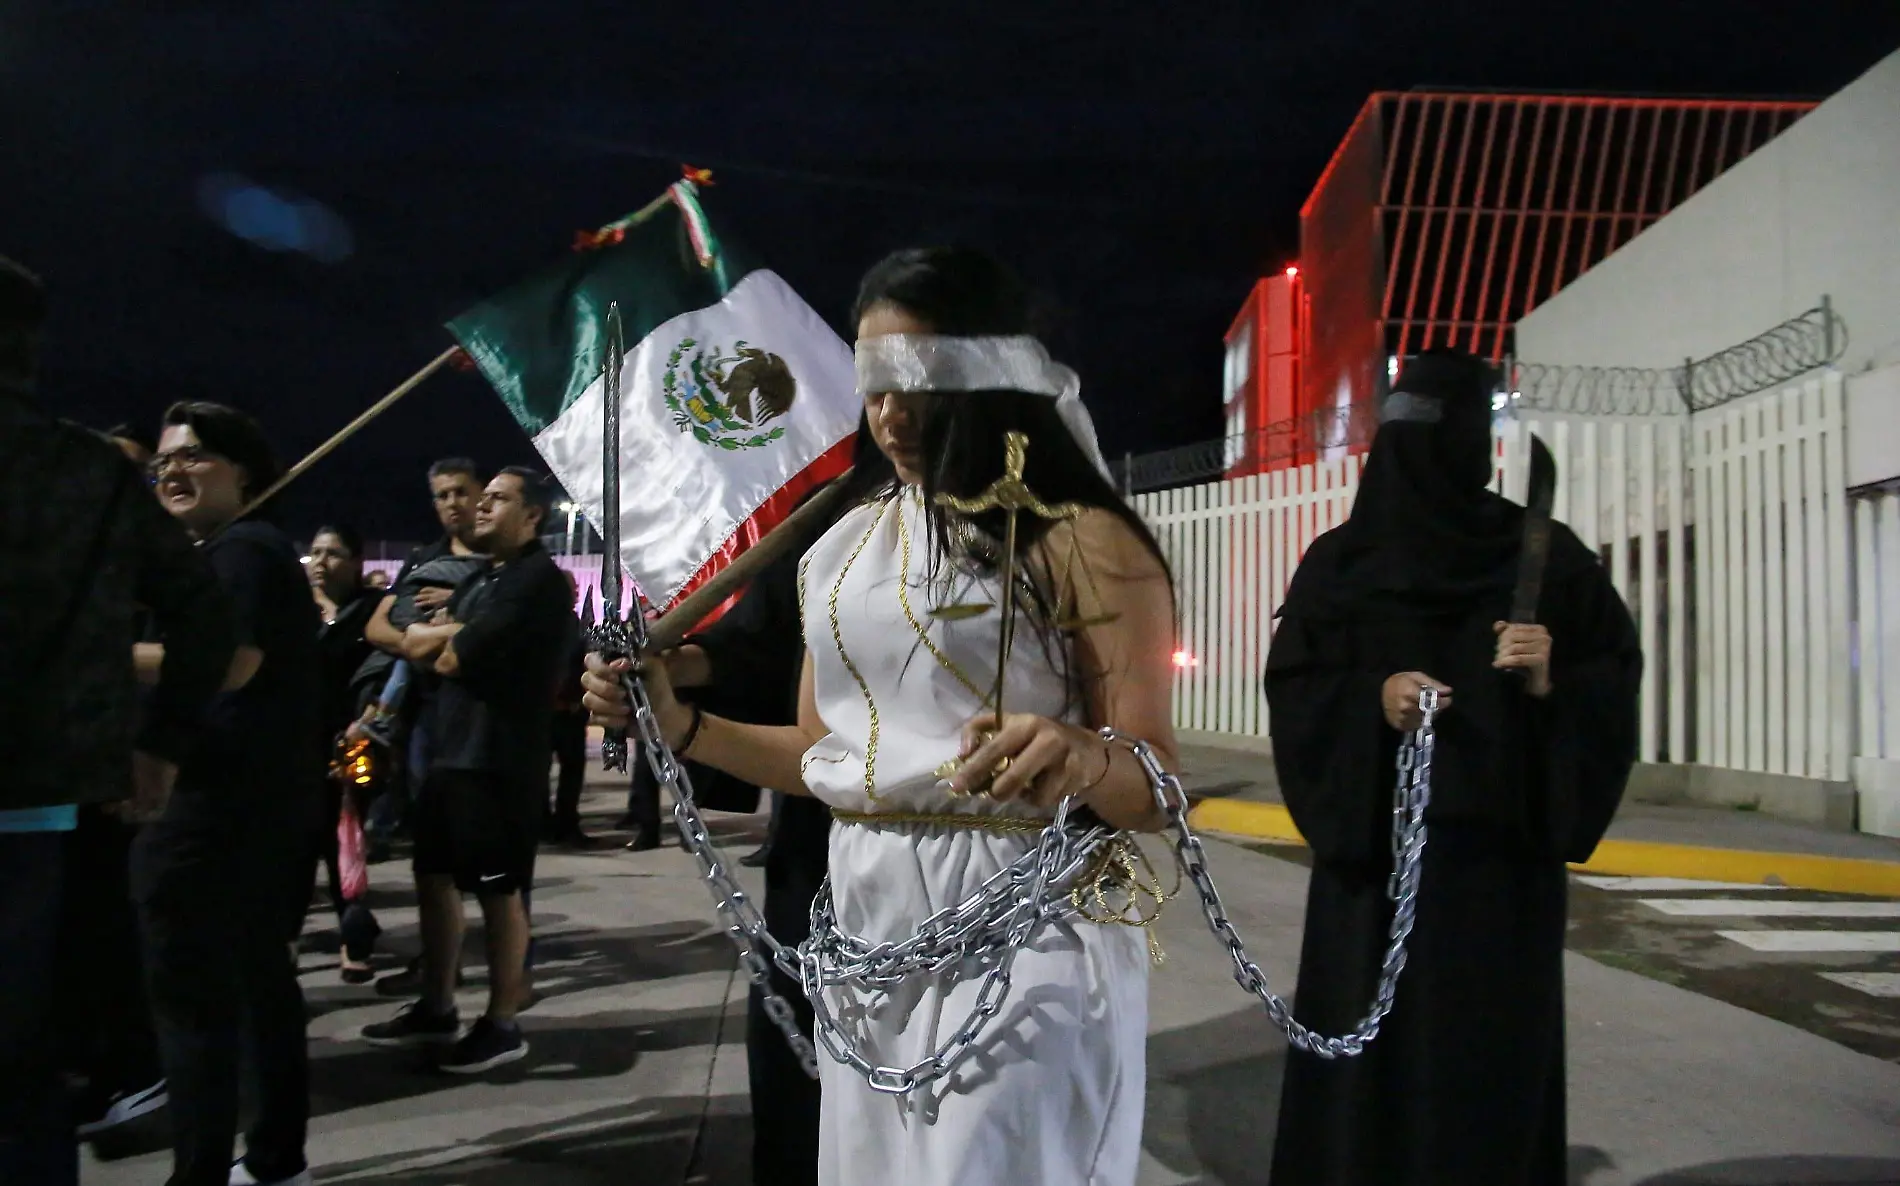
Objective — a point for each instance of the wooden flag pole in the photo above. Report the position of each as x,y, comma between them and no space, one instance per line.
414,381
674,625
352,428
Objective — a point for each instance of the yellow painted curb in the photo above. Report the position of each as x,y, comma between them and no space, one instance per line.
1258,821
1839,875
1628,858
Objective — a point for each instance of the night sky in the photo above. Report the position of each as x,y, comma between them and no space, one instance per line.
1140,164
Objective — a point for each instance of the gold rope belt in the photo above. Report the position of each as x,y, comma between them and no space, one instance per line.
1117,882
1007,824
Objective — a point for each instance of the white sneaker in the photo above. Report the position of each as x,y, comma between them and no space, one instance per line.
242,1176
126,1107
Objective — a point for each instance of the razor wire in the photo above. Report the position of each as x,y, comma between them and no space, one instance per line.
1806,342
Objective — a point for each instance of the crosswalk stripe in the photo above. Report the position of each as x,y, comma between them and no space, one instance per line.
1669,885
1773,908
1815,942
1874,984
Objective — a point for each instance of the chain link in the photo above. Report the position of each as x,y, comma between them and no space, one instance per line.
982,934
1410,797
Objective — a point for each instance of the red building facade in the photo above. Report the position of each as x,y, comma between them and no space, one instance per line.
1441,220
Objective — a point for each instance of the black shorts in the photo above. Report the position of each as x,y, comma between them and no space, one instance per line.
479,829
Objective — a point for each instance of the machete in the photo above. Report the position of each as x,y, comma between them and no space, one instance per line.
1536,546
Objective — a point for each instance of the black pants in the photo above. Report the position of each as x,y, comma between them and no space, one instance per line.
570,750
643,795
36,1140
784,1097
222,882
105,1020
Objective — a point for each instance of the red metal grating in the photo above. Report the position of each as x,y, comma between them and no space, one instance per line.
1443,218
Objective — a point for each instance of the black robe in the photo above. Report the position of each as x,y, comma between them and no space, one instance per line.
757,653
1464,1085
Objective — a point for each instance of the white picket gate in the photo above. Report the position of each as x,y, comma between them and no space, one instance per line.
1726,533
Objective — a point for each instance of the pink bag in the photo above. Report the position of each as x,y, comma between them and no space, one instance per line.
352,864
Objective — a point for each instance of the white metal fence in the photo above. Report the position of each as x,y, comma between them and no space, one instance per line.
1877,623
1728,534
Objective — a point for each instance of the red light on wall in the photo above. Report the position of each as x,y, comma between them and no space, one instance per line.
1184,660
1292,271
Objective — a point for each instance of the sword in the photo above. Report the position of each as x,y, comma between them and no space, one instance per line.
1536,547
612,637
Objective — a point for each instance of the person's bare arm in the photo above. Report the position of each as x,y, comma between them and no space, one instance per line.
148,658
424,642
689,666
378,630
763,755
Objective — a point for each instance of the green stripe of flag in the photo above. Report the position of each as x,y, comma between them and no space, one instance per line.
541,342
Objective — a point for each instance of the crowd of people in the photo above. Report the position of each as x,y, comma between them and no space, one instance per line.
198,718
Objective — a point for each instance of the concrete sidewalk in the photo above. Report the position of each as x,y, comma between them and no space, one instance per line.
1241,797
638,1064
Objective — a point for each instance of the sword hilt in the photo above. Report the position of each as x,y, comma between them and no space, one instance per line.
613,641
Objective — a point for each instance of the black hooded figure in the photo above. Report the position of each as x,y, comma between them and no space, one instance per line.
1536,734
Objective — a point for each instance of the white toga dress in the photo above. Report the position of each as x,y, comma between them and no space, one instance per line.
1053,1092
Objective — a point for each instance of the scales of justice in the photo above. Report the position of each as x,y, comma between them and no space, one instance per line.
1011,495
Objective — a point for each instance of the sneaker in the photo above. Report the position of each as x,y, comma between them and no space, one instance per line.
487,1045
122,1107
242,1176
414,1025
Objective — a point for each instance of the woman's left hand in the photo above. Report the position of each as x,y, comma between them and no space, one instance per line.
1043,761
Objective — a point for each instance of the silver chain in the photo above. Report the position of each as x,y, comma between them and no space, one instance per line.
983,933
1409,800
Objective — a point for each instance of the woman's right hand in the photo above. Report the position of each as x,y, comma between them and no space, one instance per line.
1399,698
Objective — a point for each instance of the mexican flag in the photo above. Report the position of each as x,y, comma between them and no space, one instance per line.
735,397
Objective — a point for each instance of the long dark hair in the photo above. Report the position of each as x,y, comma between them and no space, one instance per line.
966,293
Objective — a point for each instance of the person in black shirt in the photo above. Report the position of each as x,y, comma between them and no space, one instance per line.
223,877
82,549
499,653
336,575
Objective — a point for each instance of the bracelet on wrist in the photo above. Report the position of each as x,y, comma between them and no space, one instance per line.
692,732
1108,760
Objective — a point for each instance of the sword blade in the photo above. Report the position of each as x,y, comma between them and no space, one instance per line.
1536,547
611,637
612,573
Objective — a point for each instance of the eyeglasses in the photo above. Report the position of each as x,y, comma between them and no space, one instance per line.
186,456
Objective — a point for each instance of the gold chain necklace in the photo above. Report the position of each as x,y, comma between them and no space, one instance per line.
837,638
983,698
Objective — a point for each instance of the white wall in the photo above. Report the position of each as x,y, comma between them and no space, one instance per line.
1817,210
1873,415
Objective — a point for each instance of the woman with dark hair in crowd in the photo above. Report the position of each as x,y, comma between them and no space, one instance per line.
222,879
336,576
1053,1091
